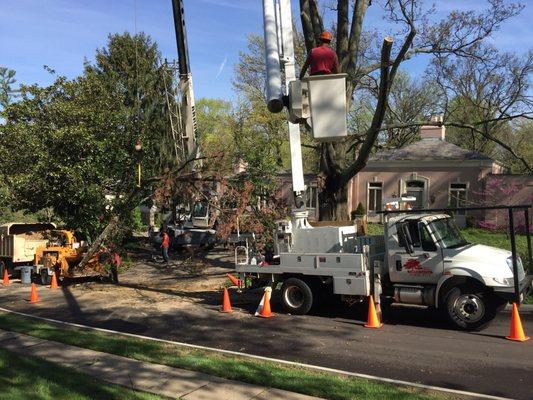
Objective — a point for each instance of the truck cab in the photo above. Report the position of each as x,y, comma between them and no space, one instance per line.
428,262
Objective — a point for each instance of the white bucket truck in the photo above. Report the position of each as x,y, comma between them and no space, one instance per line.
421,259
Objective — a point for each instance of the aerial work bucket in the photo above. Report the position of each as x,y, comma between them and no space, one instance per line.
327,106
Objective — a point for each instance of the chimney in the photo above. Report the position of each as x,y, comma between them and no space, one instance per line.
432,131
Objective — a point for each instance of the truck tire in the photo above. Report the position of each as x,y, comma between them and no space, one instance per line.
296,296
469,307
45,278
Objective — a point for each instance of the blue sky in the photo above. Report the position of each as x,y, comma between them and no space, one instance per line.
61,33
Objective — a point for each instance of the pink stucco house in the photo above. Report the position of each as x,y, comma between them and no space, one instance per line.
438,174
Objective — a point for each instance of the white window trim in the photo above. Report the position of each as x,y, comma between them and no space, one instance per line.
368,195
466,190
415,177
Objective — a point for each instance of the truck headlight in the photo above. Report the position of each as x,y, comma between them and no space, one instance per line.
504,281
518,263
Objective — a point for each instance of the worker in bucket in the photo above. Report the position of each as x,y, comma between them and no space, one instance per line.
322,59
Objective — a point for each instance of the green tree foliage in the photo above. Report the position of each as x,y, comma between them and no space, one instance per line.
268,132
518,136
215,125
66,146
7,91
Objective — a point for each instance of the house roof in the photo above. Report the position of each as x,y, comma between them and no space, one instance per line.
429,149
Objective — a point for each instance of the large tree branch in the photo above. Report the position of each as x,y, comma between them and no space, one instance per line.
307,25
316,18
377,120
349,63
125,207
405,46
342,29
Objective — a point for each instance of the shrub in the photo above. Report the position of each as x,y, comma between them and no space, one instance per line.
358,212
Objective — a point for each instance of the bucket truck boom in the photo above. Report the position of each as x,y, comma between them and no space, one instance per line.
185,81
194,226
279,56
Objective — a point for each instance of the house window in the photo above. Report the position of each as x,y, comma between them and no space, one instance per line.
375,190
311,197
458,193
416,189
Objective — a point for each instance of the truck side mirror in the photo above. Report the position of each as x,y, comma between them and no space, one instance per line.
405,238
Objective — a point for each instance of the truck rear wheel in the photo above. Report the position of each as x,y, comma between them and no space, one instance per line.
469,307
296,296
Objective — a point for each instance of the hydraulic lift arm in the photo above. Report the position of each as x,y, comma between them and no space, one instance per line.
186,87
279,56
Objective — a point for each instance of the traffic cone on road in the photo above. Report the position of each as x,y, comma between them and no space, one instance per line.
54,284
235,281
34,297
516,332
264,310
373,320
226,305
5,281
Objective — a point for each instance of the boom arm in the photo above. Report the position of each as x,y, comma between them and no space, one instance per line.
186,87
279,56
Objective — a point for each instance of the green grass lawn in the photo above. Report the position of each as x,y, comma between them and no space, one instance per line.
301,380
24,378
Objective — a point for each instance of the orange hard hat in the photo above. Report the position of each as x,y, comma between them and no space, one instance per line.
326,36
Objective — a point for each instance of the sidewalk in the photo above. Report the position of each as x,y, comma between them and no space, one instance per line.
154,378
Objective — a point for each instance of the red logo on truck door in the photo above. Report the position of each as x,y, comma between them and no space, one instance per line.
413,266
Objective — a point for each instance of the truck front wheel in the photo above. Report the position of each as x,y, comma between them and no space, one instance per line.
296,296
469,308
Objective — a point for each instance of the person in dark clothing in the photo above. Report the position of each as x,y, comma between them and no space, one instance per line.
165,245
322,59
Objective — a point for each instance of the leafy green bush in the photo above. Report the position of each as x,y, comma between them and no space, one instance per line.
359,211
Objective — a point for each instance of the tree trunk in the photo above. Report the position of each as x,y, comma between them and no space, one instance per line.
95,246
333,201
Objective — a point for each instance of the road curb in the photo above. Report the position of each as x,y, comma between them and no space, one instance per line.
274,360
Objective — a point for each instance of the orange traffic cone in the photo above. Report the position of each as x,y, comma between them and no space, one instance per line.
516,332
5,281
226,305
54,284
34,298
235,281
373,320
264,310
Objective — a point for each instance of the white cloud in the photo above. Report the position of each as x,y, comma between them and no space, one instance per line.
221,66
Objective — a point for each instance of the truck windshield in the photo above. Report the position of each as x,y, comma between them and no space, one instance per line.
447,233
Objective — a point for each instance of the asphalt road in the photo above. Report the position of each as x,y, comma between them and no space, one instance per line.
413,345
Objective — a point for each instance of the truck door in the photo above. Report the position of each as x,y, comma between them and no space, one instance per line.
423,265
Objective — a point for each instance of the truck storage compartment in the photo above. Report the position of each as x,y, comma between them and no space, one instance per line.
339,261
358,285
